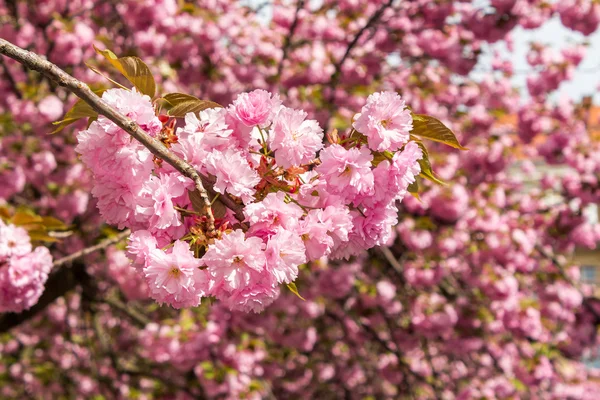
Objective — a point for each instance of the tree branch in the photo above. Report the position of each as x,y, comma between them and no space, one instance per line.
337,74
59,283
288,39
392,260
11,79
563,274
67,279
558,265
81,90
88,250
139,319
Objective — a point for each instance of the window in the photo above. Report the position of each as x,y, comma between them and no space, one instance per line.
589,274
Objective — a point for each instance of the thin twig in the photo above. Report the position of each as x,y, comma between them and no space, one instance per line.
58,284
335,77
81,90
558,265
13,9
391,259
436,382
226,200
563,273
90,319
169,383
287,42
402,363
88,250
396,265
10,79
140,319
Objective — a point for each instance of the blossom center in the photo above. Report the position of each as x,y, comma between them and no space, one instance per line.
238,260
385,123
296,135
175,272
347,171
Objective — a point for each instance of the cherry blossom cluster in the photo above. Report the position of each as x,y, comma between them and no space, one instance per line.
301,200
447,324
580,15
23,270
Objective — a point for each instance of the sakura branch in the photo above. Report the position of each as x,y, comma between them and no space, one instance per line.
134,315
11,79
18,258
587,300
81,90
92,249
335,77
287,42
301,200
59,283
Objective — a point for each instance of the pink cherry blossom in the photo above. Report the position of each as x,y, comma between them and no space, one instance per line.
119,164
474,307
235,262
14,241
253,298
162,191
210,130
294,139
141,244
23,277
256,108
266,216
385,121
233,173
347,172
314,233
175,277
285,252
393,178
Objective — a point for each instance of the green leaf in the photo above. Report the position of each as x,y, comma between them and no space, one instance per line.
426,170
294,289
80,109
182,109
177,98
196,200
413,189
54,224
518,385
22,218
425,223
181,104
4,214
97,71
134,69
40,236
37,227
219,209
90,120
378,157
431,128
